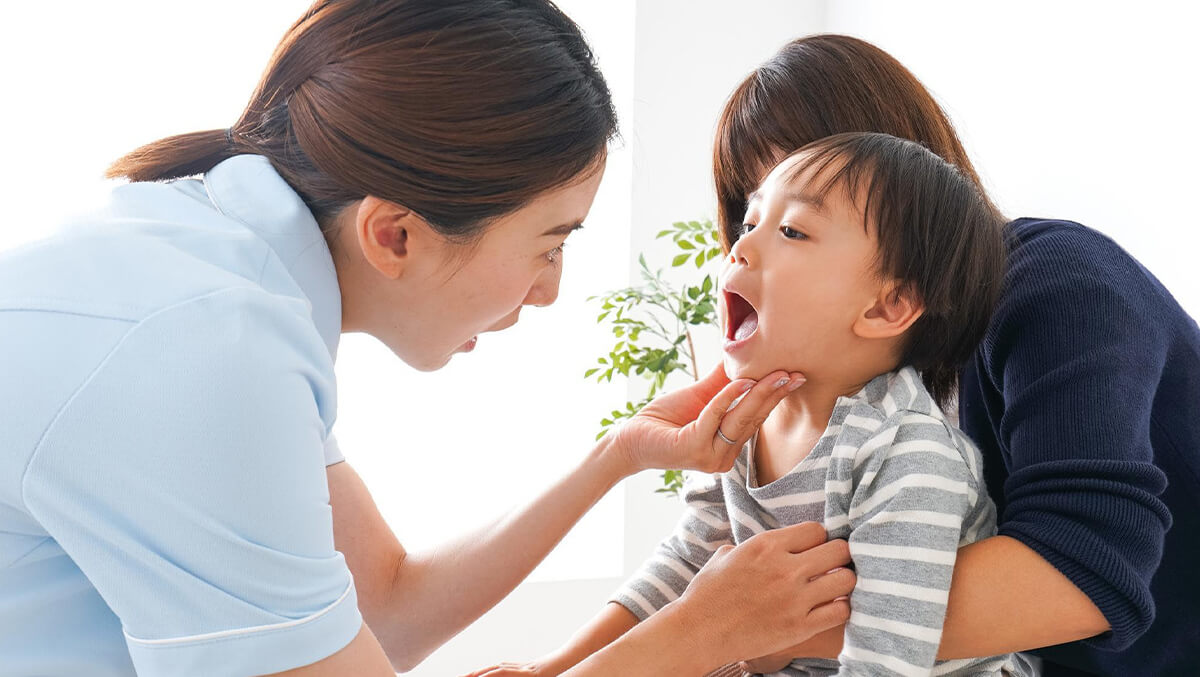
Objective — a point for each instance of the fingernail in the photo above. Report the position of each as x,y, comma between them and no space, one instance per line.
800,380
747,385
781,382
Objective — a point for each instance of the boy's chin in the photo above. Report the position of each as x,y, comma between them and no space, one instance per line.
735,369
756,370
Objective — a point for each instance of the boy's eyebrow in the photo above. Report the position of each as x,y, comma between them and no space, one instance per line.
808,199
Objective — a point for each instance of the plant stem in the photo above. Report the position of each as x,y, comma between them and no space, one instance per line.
692,354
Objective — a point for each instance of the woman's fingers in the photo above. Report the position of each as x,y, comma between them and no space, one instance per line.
829,615
713,382
709,420
837,583
799,538
740,423
823,558
765,582
501,670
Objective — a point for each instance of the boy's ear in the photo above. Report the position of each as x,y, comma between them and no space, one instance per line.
890,314
389,235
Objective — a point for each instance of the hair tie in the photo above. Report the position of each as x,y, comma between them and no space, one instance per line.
229,136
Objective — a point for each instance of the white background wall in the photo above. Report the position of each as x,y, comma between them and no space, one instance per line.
1070,109
1080,110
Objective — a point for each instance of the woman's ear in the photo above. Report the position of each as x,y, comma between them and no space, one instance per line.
890,314
388,235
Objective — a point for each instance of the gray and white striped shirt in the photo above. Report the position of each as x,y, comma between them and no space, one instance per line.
895,479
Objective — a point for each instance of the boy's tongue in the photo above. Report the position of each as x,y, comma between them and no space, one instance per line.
747,327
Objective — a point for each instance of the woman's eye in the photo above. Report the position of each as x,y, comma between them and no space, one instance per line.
555,255
792,233
746,228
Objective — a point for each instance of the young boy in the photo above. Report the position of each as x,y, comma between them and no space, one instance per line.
870,265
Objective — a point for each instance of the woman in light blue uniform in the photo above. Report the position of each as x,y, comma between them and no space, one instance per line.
171,499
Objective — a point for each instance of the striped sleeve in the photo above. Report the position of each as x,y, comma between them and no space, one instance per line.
906,518
702,529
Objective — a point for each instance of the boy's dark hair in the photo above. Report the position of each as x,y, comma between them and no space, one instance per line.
938,237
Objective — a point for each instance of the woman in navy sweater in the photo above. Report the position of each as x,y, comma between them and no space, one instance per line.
1084,398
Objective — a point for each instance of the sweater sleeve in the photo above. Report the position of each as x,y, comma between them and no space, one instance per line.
702,529
1077,354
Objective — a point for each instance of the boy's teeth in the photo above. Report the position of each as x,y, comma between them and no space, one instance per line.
747,327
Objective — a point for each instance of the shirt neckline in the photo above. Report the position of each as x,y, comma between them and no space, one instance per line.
247,188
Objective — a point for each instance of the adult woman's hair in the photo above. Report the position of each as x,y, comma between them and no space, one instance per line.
823,85
460,110
815,87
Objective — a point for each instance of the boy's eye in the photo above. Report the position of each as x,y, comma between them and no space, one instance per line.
792,234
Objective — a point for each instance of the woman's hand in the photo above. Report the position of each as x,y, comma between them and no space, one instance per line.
514,670
678,430
775,589
767,664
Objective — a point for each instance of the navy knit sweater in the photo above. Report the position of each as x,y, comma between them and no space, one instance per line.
1085,400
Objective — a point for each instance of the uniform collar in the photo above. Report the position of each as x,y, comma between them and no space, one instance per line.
247,188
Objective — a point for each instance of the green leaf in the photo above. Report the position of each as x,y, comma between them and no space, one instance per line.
589,372
662,233
680,260
708,284
684,244
693,293
699,261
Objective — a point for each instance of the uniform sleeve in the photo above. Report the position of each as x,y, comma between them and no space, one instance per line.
186,479
1077,351
333,452
702,529
906,519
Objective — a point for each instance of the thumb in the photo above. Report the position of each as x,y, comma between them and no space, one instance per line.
710,418
712,383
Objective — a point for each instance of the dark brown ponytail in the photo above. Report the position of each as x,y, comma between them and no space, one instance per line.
461,110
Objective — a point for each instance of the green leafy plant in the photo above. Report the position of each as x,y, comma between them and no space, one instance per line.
653,324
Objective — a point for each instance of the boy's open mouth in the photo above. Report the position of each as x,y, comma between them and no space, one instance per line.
741,318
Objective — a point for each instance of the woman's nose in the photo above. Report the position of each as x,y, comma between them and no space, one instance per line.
545,289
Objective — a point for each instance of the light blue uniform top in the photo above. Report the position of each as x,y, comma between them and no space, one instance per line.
167,388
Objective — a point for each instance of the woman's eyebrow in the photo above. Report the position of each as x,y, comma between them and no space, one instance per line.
565,229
